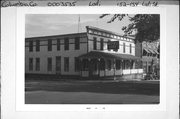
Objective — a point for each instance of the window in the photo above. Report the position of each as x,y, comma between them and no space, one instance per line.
118,64
30,46
108,46
94,43
77,64
66,44
102,64
49,45
58,63
37,64
30,64
77,43
58,45
49,67
102,44
66,64
124,47
109,64
37,45
85,65
130,50
124,64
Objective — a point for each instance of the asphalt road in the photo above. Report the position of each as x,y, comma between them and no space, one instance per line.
91,92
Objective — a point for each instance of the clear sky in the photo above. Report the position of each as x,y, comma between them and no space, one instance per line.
57,24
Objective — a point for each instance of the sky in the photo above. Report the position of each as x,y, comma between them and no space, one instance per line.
58,24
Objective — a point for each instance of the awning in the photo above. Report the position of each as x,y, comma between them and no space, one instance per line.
151,50
156,51
105,55
147,50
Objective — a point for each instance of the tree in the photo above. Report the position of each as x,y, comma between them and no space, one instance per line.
145,27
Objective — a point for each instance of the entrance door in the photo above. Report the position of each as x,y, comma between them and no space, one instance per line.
58,65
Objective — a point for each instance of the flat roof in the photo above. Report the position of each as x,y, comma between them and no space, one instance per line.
51,36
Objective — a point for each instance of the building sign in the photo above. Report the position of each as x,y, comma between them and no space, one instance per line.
114,45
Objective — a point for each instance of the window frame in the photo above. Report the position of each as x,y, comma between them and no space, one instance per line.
66,43
58,44
30,64
37,64
66,64
101,44
94,43
37,45
49,64
49,44
31,46
77,43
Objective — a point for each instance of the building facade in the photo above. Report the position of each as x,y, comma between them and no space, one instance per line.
94,53
150,55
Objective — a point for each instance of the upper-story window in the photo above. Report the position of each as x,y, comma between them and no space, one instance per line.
30,46
107,45
49,45
102,44
58,45
124,47
94,43
130,48
37,45
77,43
66,44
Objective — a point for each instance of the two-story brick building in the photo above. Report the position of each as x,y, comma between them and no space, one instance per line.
95,53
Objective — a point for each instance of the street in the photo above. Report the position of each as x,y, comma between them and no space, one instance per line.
91,92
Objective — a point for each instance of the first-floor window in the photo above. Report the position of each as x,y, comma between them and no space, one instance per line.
37,64
30,64
77,64
118,64
49,67
85,65
102,64
124,64
66,64
109,64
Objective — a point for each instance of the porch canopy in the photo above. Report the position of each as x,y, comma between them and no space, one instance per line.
105,55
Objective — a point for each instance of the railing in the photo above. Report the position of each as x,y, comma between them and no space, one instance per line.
111,72
132,71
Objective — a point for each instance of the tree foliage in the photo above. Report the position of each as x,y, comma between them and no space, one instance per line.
145,26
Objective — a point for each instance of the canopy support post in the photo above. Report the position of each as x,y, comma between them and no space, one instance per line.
114,68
